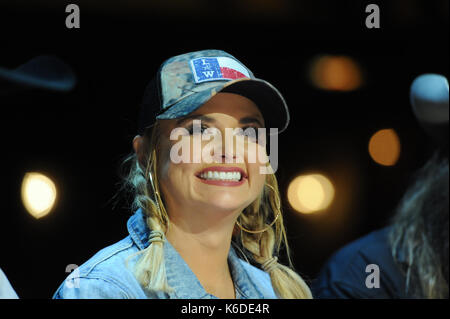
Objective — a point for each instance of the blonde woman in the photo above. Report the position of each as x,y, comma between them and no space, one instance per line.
208,220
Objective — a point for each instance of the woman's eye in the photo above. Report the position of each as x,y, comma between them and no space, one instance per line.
190,129
251,132
248,132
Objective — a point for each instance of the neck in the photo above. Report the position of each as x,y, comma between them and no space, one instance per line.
203,240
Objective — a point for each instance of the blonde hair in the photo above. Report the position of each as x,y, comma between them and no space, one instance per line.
259,246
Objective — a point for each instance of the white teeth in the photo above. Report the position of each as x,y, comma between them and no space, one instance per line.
226,176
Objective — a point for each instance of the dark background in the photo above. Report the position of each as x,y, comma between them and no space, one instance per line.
79,138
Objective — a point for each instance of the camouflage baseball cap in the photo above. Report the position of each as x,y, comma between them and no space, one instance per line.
185,82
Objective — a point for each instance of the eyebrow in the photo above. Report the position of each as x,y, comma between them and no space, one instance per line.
208,119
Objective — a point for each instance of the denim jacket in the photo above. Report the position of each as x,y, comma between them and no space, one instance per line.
106,275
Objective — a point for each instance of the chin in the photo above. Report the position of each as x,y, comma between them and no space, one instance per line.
227,202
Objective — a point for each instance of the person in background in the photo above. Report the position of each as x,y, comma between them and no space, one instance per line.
409,257
6,290
39,73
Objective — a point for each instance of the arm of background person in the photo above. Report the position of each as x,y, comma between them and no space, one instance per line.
6,290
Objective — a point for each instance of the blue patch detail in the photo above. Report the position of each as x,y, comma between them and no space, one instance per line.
206,69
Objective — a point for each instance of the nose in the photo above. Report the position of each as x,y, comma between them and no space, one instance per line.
228,157
225,150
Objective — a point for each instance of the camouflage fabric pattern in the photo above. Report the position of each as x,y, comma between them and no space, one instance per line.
178,85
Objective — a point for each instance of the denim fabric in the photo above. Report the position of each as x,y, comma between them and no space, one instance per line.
344,275
178,82
106,275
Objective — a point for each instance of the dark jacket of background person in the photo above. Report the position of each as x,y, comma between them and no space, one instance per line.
411,254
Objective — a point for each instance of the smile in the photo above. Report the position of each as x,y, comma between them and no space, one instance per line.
222,176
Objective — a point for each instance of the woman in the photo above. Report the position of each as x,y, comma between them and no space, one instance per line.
195,215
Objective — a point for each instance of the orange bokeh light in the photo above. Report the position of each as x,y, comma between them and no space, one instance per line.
384,147
336,73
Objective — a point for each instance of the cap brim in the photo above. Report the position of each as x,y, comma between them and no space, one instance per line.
268,99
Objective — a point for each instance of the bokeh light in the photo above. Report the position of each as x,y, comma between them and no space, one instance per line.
335,73
384,147
38,194
310,193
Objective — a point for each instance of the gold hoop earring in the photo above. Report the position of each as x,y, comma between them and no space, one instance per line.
269,226
152,184
261,230
157,199
154,189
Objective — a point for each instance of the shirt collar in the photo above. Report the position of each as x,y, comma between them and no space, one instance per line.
180,277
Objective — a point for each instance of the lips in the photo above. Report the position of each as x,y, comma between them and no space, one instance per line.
222,175
225,169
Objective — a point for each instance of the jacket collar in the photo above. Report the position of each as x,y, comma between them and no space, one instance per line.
179,276
138,229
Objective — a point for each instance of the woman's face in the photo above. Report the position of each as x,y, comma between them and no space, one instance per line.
215,185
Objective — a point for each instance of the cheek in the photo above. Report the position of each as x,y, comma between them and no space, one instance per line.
257,179
256,157
175,178
175,183
169,173
255,162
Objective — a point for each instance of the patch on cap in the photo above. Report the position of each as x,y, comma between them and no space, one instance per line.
217,68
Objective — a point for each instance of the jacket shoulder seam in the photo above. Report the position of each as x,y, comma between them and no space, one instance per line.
110,281
91,268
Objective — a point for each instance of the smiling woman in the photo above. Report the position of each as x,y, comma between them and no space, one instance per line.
200,229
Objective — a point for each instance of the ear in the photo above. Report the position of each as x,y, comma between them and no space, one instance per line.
137,143
138,146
